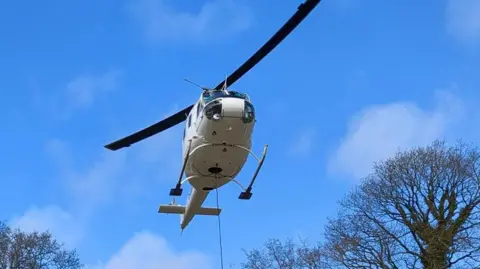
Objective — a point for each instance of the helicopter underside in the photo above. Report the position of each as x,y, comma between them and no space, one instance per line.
218,152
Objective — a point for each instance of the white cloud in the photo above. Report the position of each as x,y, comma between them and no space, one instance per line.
99,183
303,143
149,150
149,251
92,185
79,93
344,6
215,19
463,20
60,153
82,90
88,187
379,131
127,173
65,228
144,250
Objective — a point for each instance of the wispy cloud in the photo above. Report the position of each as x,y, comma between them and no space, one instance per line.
144,250
147,250
60,223
162,21
111,174
304,142
82,90
463,20
109,177
87,190
79,93
343,6
379,131
99,183
153,149
90,187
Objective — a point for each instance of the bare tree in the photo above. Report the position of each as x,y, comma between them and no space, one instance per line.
20,250
420,208
286,255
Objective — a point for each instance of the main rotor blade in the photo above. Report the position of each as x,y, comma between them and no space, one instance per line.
302,12
150,130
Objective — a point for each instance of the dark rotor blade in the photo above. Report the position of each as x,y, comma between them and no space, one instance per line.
150,130
302,12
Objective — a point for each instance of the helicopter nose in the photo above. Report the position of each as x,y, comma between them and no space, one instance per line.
232,107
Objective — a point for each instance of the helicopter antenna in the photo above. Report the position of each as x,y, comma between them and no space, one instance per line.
193,83
225,85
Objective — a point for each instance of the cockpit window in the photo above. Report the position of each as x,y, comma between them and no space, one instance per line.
211,95
239,95
248,113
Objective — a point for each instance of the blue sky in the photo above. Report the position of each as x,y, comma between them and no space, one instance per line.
355,82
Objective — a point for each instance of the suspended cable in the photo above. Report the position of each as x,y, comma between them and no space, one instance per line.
219,227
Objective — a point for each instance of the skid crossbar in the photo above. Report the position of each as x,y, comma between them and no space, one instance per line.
247,192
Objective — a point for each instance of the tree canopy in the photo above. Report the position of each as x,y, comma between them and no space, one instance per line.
21,250
418,209
288,254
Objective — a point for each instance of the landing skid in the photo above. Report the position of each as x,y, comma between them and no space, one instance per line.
246,194
177,191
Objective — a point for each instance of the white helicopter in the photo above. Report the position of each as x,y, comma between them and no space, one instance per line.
217,136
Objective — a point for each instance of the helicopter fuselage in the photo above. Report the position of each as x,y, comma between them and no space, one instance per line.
217,140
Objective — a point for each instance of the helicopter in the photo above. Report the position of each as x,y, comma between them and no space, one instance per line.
216,139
